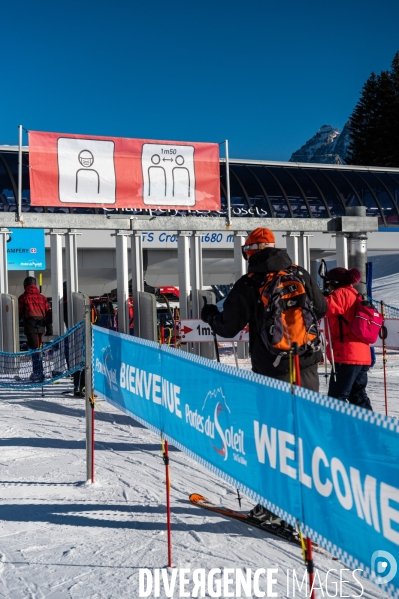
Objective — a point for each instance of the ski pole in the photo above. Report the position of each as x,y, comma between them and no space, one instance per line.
235,353
309,551
92,402
384,355
323,275
165,455
333,373
291,370
218,359
310,566
213,333
297,370
325,349
236,360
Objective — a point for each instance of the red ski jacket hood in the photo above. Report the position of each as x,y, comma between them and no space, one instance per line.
350,350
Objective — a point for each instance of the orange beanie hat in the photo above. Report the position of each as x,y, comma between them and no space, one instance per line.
259,235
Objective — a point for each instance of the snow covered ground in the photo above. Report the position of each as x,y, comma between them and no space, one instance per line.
61,538
387,289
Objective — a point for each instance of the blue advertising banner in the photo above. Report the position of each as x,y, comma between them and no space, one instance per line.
307,457
26,250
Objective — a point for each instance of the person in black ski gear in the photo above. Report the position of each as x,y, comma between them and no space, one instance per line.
244,305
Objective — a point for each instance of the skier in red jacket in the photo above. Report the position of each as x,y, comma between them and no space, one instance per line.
35,310
352,358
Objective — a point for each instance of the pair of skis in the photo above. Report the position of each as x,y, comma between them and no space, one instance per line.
278,530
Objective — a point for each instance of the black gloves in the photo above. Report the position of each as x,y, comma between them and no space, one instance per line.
208,313
326,293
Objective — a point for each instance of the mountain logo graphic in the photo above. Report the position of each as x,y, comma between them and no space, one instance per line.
222,437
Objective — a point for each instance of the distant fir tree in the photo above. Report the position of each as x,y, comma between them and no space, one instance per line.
363,122
395,112
374,123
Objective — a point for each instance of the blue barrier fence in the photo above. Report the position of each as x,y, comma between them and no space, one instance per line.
307,457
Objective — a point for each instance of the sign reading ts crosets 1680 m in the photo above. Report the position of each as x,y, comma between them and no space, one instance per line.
77,170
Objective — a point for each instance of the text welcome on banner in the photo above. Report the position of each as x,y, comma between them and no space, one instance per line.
306,457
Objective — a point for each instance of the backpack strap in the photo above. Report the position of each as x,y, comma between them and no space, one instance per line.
256,280
341,319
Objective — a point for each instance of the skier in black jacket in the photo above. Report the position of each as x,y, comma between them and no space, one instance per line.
244,305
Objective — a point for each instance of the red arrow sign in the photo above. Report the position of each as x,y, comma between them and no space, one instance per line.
186,330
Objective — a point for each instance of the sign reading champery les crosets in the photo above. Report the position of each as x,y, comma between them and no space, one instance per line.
26,249
116,172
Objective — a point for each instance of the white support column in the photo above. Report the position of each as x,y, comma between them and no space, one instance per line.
292,246
4,233
195,271
240,264
122,280
196,278
357,247
3,275
56,281
357,257
240,269
304,251
183,258
19,190
137,276
341,244
71,261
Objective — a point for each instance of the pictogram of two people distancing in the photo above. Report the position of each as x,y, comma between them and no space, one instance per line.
86,172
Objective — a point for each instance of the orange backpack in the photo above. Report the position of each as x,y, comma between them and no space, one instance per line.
288,316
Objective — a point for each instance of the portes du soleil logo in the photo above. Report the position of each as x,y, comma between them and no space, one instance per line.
104,366
213,420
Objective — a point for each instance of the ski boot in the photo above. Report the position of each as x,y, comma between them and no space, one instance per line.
268,519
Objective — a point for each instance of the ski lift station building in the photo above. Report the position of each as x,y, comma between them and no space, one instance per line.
336,212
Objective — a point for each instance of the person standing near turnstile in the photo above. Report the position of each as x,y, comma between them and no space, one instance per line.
35,310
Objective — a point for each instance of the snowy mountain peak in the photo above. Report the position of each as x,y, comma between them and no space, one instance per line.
327,146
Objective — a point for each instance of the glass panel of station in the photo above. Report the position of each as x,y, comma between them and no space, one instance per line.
273,190
259,204
304,178
6,192
58,210
364,193
375,182
346,192
333,198
11,158
394,188
238,201
391,182
292,191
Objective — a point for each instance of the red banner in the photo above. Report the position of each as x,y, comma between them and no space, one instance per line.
116,172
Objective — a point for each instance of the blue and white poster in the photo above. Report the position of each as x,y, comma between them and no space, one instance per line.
26,250
309,458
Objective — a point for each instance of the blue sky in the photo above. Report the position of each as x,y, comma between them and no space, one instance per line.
265,75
